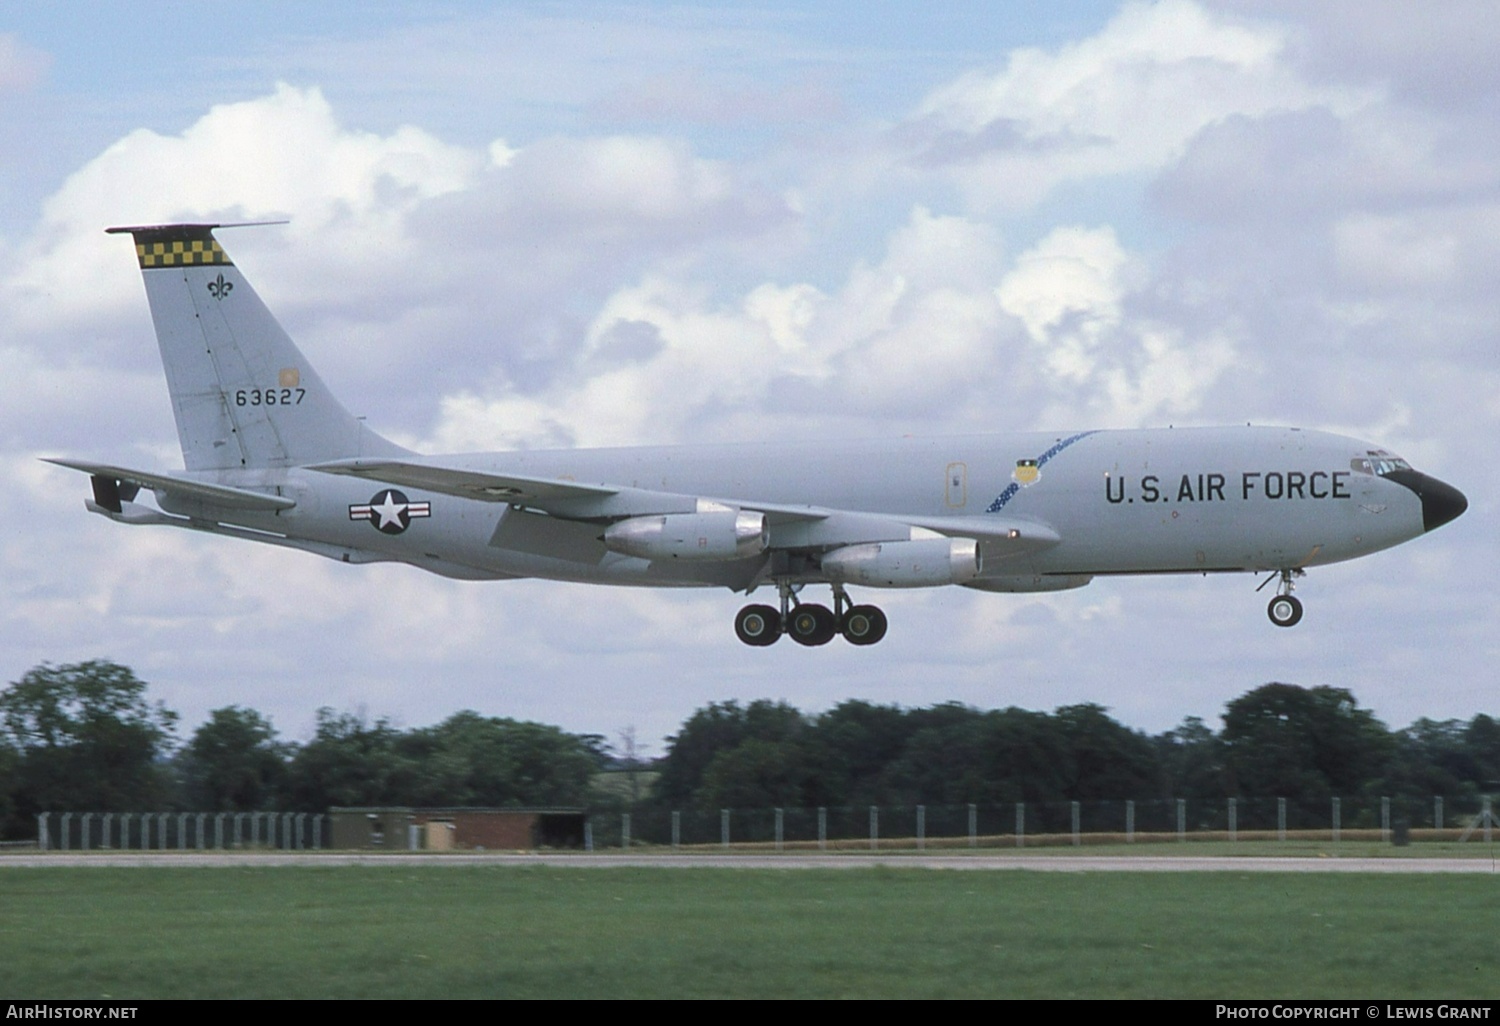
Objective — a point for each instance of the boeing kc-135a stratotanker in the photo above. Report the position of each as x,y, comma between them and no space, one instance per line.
272,456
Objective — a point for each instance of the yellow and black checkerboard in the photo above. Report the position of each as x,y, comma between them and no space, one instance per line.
189,253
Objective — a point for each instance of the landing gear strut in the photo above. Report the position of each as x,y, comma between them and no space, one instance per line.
809,623
1284,610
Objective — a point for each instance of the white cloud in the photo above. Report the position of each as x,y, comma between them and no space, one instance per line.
1103,363
280,155
900,335
21,67
1126,100
1074,276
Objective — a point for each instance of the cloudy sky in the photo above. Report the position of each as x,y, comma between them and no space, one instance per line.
553,224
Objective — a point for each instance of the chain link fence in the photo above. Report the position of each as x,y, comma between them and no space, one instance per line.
870,827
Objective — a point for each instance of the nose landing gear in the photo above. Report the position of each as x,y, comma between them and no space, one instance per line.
1284,609
809,623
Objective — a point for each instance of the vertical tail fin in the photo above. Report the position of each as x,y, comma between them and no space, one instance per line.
242,393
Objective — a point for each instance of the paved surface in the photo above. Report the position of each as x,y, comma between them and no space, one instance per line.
1044,863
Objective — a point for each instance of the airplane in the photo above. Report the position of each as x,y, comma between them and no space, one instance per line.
272,456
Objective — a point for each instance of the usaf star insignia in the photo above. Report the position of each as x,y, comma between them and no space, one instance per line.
390,511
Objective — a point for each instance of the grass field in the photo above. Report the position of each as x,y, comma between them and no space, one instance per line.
505,931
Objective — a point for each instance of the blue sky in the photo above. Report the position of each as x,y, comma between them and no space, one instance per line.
554,224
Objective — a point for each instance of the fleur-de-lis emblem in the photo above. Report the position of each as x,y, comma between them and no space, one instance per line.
219,288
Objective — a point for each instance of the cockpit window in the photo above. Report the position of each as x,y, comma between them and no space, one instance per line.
1378,462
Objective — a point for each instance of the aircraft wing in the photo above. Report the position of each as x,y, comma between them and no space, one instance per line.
792,526
200,491
556,496
516,489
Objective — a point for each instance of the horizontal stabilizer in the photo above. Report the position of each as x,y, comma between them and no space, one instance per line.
201,491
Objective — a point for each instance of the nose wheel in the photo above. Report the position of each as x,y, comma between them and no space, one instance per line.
809,623
1284,609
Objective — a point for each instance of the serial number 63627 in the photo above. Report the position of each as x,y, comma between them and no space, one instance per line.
269,396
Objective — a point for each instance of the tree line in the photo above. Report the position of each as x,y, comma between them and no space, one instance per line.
85,737
1278,740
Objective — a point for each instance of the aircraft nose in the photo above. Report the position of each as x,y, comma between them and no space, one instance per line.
1441,502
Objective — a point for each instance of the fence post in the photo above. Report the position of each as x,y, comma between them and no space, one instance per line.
724,827
317,831
1129,821
182,831
1234,821
822,828
625,830
588,834
921,827
1074,816
1020,824
874,828
104,828
973,825
63,831
1489,819
676,828
778,829
84,842
161,830
1437,812
1336,812
41,830
1182,819
1281,819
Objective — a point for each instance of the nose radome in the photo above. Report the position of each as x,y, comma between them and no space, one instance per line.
1441,502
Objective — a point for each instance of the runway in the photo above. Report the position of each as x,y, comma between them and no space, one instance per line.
788,861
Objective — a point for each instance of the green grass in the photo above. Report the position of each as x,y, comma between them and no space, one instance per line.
504,931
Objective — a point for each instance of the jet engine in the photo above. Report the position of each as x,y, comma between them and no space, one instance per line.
714,535
920,563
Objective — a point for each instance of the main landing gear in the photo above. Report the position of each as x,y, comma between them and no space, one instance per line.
809,623
1284,610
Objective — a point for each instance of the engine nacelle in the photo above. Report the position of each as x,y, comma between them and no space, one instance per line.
714,535
920,563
